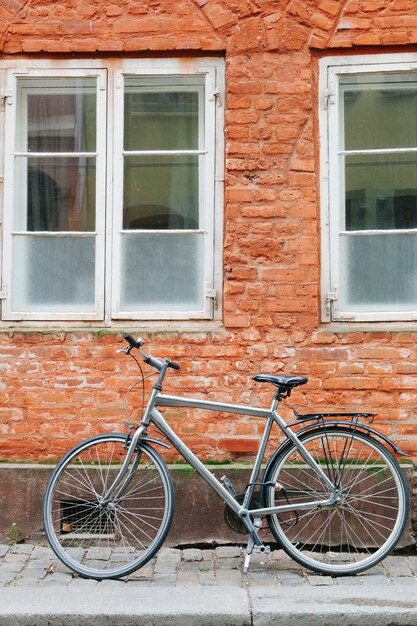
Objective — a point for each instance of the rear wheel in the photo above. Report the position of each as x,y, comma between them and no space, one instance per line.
101,538
369,519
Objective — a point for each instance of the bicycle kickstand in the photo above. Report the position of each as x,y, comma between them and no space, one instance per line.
249,550
254,545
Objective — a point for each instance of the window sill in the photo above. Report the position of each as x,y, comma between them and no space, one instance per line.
115,328
367,327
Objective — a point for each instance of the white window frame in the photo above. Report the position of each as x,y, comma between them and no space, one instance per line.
109,184
206,200
12,75
332,176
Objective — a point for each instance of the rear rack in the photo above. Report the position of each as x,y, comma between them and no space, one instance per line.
343,420
319,417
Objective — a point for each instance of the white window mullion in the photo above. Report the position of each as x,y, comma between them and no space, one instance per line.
110,203
117,195
207,195
218,191
331,223
10,125
101,195
3,103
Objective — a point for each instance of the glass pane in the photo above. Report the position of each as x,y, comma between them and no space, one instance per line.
162,272
381,191
56,115
55,194
53,274
380,110
162,113
161,192
379,272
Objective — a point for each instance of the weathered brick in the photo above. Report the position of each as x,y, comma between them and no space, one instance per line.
383,352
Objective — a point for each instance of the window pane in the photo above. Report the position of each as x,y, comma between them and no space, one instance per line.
53,274
162,272
56,115
380,110
379,272
162,114
55,194
381,191
161,192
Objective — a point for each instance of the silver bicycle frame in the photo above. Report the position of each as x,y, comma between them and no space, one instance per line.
152,415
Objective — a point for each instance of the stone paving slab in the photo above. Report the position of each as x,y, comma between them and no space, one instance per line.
118,605
203,586
373,605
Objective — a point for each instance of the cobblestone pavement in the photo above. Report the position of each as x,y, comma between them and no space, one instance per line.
26,564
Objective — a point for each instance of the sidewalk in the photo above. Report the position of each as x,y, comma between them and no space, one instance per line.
192,587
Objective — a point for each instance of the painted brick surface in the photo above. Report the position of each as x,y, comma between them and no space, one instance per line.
59,387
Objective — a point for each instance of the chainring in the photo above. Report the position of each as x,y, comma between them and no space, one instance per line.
233,520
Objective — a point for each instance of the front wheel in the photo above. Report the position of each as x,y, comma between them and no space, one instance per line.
101,538
369,518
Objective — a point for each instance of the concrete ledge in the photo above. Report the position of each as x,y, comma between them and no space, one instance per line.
198,518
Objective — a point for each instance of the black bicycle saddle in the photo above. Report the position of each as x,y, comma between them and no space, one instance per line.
288,382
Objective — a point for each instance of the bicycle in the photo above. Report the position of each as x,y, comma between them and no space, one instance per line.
333,494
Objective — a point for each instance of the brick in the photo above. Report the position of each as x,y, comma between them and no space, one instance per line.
239,445
352,382
238,102
396,21
219,16
236,321
332,7
384,352
317,41
396,38
248,36
321,20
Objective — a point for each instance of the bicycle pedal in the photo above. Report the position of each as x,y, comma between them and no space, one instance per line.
262,549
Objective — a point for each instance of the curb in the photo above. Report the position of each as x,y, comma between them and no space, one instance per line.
114,605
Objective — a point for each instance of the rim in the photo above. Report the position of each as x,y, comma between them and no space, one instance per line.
363,524
100,538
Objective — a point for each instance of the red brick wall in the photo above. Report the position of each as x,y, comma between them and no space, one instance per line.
58,387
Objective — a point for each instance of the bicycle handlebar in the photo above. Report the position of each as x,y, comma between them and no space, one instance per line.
148,358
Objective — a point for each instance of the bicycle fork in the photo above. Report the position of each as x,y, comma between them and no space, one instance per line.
125,474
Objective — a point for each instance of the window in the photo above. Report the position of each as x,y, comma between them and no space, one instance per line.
111,195
369,189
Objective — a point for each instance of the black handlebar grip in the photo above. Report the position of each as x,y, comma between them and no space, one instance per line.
174,365
131,341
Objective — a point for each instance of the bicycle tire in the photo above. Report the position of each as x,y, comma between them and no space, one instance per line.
355,534
107,540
